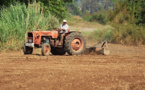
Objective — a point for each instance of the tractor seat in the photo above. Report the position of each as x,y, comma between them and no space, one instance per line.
68,31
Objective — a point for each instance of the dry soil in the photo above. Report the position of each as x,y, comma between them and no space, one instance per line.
123,69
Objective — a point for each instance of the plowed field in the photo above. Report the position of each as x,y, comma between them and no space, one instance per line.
123,69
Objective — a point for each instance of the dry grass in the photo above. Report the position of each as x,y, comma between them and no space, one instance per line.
77,23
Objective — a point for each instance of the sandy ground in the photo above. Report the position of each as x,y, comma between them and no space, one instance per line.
123,69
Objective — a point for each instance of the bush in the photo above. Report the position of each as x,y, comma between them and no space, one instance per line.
101,17
128,34
127,20
99,35
87,16
17,20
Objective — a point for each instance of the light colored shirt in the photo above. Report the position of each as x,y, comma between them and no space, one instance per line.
64,27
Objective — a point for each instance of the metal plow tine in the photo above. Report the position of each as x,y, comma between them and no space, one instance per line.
102,45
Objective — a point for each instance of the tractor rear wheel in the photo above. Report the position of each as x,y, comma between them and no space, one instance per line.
46,49
27,50
58,51
75,44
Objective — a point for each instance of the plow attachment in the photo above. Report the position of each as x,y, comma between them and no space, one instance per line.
101,48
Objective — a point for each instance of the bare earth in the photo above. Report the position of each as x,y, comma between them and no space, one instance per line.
123,69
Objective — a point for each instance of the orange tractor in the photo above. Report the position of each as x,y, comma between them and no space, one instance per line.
73,43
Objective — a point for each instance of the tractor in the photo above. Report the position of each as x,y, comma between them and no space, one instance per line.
73,43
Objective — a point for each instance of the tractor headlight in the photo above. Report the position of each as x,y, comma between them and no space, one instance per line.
37,35
44,39
30,40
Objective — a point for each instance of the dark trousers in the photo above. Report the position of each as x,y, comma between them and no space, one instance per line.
62,37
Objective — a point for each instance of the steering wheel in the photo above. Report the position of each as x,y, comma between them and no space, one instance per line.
60,31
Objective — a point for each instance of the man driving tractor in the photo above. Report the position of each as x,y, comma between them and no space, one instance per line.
51,42
62,30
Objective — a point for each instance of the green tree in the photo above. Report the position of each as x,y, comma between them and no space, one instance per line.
93,6
73,9
134,9
55,7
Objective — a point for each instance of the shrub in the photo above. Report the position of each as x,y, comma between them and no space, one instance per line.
87,16
99,35
101,17
128,34
17,20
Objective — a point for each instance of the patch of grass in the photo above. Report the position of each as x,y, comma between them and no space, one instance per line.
99,35
78,23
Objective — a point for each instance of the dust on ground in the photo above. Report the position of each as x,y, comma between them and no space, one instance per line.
123,69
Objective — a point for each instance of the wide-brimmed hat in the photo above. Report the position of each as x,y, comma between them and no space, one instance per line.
64,21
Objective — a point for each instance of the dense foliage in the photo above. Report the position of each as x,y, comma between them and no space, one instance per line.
127,19
55,7
18,19
132,11
93,6
101,17
73,9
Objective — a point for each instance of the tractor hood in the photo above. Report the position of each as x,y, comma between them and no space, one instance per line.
53,34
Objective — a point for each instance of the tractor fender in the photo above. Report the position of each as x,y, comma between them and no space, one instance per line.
66,35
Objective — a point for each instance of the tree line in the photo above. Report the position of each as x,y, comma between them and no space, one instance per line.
133,8
133,11
55,7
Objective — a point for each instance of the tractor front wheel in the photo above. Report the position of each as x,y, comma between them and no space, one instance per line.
27,50
46,49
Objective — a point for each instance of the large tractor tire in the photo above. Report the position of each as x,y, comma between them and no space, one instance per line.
58,51
46,49
75,44
27,50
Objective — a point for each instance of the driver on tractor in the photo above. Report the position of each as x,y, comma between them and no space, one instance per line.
62,30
